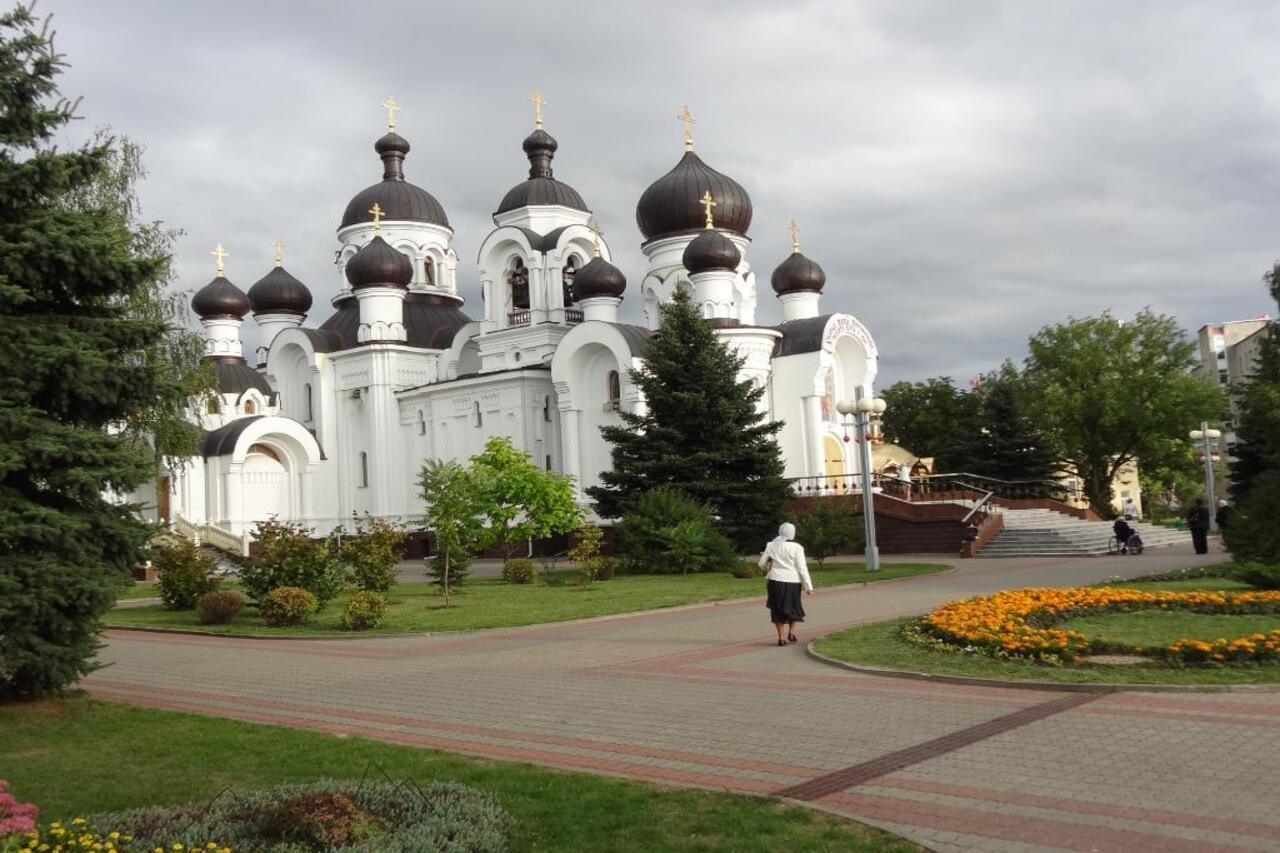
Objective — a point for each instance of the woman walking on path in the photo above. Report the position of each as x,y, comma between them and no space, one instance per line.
783,559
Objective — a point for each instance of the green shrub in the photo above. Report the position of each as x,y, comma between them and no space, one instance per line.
667,531
219,608
608,569
326,815
184,572
288,605
519,570
585,553
372,552
745,569
1260,575
1254,532
827,527
286,555
364,611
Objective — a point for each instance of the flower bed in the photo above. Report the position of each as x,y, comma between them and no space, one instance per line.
1026,623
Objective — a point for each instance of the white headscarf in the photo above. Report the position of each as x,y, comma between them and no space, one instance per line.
786,532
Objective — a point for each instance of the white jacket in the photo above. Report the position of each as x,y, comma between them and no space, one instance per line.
788,564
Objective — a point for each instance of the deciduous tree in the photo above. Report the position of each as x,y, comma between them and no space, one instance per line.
518,500
452,497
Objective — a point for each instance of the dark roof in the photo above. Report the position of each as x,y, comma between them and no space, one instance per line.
801,336
399,199
541,187
710,250
234,376
279,292
599,278
430,322
635,336
798,273
326,340
220,298
222,441
671,204
379,265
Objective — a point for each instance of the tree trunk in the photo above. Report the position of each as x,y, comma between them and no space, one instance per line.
1097,490
447,563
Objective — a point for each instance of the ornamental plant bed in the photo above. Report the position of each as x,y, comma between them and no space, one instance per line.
1029,624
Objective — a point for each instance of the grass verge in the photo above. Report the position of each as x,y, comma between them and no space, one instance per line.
490,603
81,756
881,644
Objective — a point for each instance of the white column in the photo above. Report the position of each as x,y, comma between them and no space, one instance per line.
233,494
799,306
381,314
813,435
222,336
569,423
603,308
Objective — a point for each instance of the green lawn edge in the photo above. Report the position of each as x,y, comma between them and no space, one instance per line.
490,603
84,756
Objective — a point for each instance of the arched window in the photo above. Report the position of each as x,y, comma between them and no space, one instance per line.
429,270
546,410
566,277
477,419
212,406
518,281
364,469
250,407
613,389
422,423
306,397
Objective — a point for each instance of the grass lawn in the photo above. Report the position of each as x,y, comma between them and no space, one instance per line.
80,756
881,644
490,603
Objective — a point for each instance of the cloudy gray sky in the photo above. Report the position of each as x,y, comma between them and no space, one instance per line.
966,172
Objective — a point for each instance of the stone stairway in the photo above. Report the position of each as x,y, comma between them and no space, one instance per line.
1045,533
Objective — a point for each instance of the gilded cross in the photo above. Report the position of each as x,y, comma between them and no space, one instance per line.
707,204
378,213
595,229
392,108
795,236
538,103
689,121
279,247
219,253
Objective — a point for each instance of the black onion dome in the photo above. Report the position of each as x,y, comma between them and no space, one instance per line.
599,278
796,274
541,187
672,204
278,292
710,250
379,265
220,298
400,200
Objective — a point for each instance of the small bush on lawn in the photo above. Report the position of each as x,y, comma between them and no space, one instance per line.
608,569
364,611
585,553
519,570
287,606
219,608
745,569
1259,575
184,572
286,555
667,531
327,815
372,553
827,528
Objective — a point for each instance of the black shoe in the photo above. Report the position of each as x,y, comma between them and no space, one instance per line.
781,642
792,638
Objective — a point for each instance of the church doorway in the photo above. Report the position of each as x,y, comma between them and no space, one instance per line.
832,461
266,484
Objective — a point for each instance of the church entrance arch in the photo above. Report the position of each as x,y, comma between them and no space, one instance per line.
266,484
832,461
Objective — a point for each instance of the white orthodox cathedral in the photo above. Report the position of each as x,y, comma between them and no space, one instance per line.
333,419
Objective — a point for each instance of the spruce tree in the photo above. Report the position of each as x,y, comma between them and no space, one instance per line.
89,385
702,433
1257,450
1003,442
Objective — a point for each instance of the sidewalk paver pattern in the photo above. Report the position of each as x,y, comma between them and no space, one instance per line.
702,697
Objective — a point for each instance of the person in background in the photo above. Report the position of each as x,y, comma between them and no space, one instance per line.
1122,531
787,574
1198,521
1223,515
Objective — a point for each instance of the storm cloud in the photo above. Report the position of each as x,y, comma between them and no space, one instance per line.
965,172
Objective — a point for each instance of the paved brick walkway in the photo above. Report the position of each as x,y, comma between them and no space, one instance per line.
701,697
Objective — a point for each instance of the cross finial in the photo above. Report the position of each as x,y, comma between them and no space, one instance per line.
707,204
795,236
538,103
689,121
279,247
392,108
595,229
378,213
219,253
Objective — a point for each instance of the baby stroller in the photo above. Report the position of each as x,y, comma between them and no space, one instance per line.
1125,540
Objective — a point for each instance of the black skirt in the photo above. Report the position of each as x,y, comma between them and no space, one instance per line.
784,602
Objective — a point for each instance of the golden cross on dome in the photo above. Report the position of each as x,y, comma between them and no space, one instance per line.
378,213
795,236
707,204
279,247
219,253
595,229
689,121
392,108
538,103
